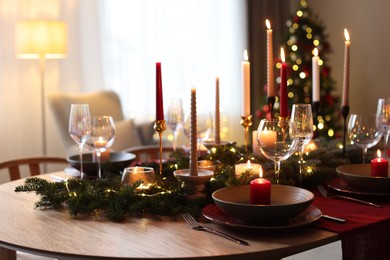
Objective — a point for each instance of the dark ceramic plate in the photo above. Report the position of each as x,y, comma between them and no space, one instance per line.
213,213
342,186
286,202
359,176
118,161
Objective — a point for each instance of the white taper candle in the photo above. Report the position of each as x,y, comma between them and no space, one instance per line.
217,116
315,76
245,66
270,62
345,101
193,136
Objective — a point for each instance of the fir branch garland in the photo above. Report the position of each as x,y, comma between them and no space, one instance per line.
168,198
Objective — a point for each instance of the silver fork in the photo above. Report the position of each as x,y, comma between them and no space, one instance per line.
324,193
195,225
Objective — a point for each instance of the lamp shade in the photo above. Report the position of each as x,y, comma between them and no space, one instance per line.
41,39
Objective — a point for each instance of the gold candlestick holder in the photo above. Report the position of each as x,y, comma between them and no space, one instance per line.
160,126
246,122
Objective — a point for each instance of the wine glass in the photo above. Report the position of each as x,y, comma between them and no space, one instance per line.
102,137
364,131
383,118
301,128
204,127
80,128
175,117
275,141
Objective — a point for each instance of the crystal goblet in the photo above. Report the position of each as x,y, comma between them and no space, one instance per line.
301,128
102,137
275,141
383,118
175,117
364,131
80,128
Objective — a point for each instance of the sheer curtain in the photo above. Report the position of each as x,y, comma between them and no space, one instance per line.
195,40
114,44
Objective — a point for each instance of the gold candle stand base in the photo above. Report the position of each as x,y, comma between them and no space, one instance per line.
246,122
159,127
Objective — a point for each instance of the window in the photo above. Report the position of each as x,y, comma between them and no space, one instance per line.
195,40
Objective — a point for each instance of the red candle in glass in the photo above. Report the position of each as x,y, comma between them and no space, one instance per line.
379,166
159,93
260,191
283,85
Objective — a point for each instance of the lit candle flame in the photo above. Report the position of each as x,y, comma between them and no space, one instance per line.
379,153
261,172
315,52
246,55
248,164
268,24
346,35
282,57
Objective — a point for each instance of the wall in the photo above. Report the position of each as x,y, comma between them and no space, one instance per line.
367,23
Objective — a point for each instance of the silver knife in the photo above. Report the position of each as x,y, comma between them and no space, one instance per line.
340,220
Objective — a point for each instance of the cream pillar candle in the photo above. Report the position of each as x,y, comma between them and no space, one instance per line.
345,101
245,66
217,116
267,139
248,166
270,61
315,76
193,136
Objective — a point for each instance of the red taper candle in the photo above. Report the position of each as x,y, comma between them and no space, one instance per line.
159,93
283,86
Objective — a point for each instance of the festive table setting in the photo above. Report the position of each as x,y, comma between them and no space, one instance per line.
286,185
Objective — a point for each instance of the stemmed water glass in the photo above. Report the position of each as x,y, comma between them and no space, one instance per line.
301,128
364,131
80,128
275,141
204,126
102,137
175,117
383,118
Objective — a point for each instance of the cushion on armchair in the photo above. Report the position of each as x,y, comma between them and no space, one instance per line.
126,135
104,102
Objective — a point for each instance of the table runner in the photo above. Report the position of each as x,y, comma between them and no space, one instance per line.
365,235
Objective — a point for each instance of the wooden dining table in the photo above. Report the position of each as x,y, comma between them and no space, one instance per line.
56,234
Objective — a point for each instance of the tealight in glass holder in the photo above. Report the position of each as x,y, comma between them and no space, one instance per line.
133,174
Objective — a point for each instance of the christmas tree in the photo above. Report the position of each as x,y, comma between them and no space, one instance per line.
305,32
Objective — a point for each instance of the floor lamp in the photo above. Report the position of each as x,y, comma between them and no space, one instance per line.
41,39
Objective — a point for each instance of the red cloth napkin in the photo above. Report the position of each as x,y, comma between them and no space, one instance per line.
366,233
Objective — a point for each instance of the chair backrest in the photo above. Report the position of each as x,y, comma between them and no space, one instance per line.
33,164
101,103
150,152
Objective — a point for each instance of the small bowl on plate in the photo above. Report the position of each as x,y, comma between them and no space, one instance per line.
359,176
286,202
117,162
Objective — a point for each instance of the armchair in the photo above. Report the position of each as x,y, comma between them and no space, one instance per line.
106,102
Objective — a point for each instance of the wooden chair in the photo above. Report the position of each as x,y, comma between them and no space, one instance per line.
33,164
150,152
